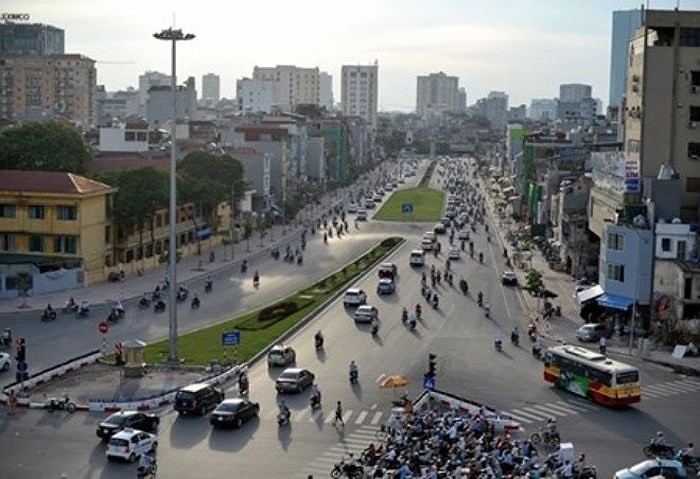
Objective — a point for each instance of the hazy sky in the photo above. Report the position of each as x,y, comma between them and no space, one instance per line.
525,48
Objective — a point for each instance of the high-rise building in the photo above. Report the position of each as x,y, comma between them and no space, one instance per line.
436,93
53,86
147,81
462,100
325,96
31,39
574,92
359,90
575,103
257,96
496,110
211,87
624,24
662,111
543,109
159,108
293,85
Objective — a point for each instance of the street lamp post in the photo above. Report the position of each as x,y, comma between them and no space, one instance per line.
173,36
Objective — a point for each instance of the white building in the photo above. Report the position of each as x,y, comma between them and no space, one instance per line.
359,91
255,95
211,87
437,92
292,85
543,109
131,137
574,92
159,107
325,96
497,110
146,82
624,24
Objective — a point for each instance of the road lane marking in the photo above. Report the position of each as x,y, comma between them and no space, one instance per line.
361,417
548,410
556,407
520,419
577,406
377,417
527,414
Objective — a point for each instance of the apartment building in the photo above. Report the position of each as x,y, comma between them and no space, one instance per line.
624,24
437,92
31,39
55,227
159,106
211,87
359,91
293,85
256,96
52,86
662,111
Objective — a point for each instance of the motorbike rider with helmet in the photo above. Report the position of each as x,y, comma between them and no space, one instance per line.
318,339
353,371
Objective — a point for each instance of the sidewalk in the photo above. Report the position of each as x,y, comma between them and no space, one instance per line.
563,328
188,269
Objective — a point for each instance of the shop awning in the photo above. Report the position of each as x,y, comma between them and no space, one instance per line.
589,293
614,301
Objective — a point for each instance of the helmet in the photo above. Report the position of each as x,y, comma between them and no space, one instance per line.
352,362
659,433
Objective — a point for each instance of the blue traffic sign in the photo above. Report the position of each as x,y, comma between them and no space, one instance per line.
407,208
429,383
231,338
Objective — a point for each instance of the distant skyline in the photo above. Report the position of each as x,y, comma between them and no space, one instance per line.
526,49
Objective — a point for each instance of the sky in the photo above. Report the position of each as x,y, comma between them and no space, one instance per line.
526,48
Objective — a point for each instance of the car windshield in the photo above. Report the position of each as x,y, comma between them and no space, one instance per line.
184,395
288,375
115,419
627,377
118,442
228,407
639,469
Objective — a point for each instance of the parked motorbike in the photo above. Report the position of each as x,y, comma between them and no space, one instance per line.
144,303
60,404
208,284
195,303
159,306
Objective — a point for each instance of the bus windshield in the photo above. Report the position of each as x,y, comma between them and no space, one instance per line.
627,377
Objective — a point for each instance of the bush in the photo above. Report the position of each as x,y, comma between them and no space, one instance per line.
278,311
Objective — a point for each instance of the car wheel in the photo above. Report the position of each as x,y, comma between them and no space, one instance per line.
132,457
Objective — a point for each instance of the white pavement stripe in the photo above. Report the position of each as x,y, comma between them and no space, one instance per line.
684,386
361,417
530,415
301,415
690,383
575,406
661,390
377,417
648,394
346,416
565,409
583,403
520,419
547,410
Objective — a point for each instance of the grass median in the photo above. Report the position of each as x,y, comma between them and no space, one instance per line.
262,327
426,204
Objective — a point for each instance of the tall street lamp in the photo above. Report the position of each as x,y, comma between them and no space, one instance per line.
173,36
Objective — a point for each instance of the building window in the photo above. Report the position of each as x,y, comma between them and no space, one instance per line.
7,242
693,151
36,243
692,185
666,244
65,244
616,272
66,213
694,114
35,212
616,241
633,146
7,211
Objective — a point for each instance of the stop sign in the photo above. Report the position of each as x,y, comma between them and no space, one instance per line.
103,327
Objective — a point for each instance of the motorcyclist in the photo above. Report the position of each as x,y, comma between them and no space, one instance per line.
487,309
658,442
284,411
318,339
353,369
374,326
315,395
435,300
350,465
481,257
480,298
419,310
537,347
243,382
498,340
146,463
256,278
208,283
48,311
195,301
84,307
687,454
119,308
404,314
551,427
515,335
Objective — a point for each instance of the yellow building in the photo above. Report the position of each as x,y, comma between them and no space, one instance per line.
54,226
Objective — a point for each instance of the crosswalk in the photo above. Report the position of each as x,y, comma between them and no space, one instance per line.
670,388
354,442
371,417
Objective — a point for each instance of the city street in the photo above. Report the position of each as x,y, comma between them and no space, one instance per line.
47,445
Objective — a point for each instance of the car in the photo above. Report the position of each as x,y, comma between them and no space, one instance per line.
667,468
453,252
590,332
365,314
509,278
378,198
463,235
416,258
361,214
294,380
234,412
130,444
385,286
197,398
387,270
281,355
126,419
354,297
5,360
351,208
369,204
426,244
402,181
430,235
440,229
446,220
450,213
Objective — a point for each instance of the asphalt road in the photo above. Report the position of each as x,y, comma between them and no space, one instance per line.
43,445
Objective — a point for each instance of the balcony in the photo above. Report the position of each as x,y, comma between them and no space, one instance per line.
159,234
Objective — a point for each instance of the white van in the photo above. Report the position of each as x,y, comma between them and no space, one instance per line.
416,258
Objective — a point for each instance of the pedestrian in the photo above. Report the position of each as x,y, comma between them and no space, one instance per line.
603,344
12,402
338,414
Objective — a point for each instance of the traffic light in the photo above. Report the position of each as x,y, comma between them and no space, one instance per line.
21,350
432,366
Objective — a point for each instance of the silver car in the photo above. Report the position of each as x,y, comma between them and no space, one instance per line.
590,332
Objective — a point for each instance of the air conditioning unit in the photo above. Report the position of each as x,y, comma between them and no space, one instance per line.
694,157
635,88
635,78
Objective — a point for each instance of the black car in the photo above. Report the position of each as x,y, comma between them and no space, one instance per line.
234,412
294,380
197,398
127,419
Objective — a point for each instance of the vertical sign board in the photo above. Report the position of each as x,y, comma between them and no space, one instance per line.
632,180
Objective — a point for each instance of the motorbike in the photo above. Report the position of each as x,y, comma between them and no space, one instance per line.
243,386
515,339
463,286
658,450
60,404
532,331
48,315
275,253
342,469
181,295
70,307
551,439
412,324
208,286
404,316
375,329
318,342
82,312
146,473
115,315
283,418
195,303
159,306
435,301
498,345
353,377
144,303
689,462
536,351
314,402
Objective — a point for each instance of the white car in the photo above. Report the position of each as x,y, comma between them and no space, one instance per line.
463,235
426,244
361,214
5,360
453,253
416,258
352,207
129,444
354,297
667,468
366,313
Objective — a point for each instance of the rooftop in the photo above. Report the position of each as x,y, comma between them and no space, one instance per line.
49,182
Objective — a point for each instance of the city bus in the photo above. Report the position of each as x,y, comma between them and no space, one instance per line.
592,375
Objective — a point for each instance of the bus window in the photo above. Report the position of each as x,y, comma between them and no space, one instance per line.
627,377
